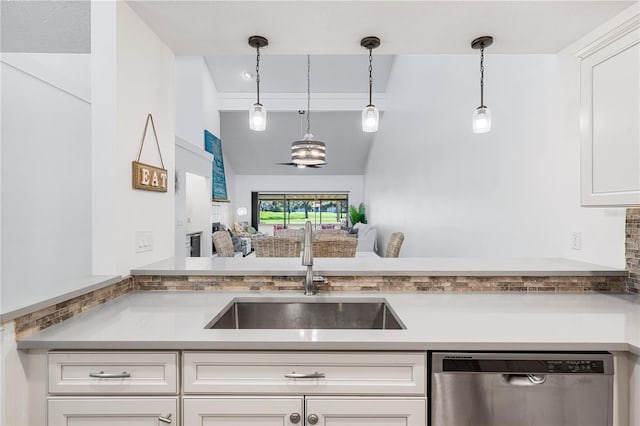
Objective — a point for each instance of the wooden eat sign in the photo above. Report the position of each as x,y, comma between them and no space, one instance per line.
149,177
145,176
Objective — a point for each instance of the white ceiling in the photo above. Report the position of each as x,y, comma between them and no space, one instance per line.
331,32
46,26
288,73
405,27
252,152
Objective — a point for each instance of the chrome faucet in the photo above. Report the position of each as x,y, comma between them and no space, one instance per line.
307,260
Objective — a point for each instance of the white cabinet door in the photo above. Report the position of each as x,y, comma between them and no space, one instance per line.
610,119
223,411
112,411
366,411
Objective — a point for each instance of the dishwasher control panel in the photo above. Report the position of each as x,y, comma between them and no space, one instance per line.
531,366
575,366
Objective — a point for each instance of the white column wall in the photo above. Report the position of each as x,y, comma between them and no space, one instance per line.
512,192
145,84
128,85
103,139
46,176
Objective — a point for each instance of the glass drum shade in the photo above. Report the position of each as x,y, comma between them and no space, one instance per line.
481,120
370,119
257,118
308,152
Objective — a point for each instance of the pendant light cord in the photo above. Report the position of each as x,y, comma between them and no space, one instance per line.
482,77
370,76
308,93
258,74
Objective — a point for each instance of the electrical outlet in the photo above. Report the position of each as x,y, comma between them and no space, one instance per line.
144,241
575,240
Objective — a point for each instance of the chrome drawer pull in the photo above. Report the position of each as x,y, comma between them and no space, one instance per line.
103,375
295,375
166,419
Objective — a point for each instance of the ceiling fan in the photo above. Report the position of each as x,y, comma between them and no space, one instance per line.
299,166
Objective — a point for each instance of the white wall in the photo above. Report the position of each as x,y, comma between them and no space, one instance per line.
210,101
197,109
196,100
190,154
198,190
128,86
189,100
512,192
46,175
245,184
145,84
190,159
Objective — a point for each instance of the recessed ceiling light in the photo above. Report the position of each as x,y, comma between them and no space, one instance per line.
247,75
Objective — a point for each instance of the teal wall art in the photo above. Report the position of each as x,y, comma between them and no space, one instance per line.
213,145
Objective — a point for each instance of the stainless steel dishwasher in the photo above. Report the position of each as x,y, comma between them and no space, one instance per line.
517,389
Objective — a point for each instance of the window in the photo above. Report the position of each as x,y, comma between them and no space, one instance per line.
294,209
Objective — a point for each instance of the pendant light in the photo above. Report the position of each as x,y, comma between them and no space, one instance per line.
482,114
308,151
370,113
257,113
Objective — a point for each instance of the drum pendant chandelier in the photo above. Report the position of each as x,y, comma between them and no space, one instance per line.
308,151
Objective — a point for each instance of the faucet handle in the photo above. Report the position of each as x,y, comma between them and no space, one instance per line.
319,279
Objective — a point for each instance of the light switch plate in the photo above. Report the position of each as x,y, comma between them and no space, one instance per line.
575,240
144,241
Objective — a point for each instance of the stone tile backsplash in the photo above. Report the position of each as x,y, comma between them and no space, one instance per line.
381,283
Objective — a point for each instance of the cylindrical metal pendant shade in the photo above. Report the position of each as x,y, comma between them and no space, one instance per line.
308,152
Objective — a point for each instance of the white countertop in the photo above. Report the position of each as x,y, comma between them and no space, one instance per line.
373,265
18,303
472,321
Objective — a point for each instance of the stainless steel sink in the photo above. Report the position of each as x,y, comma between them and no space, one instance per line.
305,313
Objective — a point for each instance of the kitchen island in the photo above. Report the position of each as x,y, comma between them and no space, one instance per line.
192,373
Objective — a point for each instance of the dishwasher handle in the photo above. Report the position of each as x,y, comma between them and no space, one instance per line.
524,379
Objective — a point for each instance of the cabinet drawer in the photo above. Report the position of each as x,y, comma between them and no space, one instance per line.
108,373
335,373
132,411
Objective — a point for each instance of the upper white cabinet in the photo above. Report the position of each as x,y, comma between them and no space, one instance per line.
610,118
